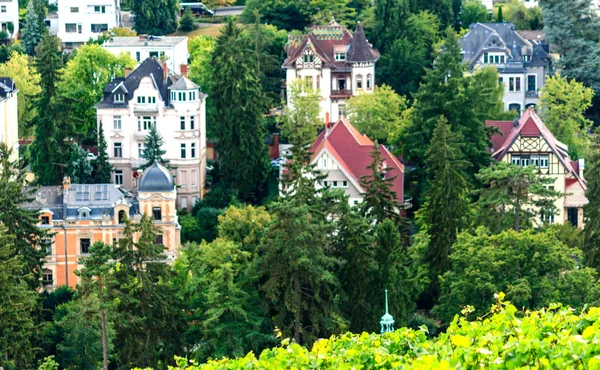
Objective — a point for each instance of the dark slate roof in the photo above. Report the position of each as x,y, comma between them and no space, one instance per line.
7,86
495,37
127,85
156,178
360,50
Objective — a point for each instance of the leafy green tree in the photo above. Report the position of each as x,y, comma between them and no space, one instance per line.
380,201
564,103
49,150
187,23
445,212
244,225
514,196
80,168
473,11
378,113
27,80
152,149
533,269
155,17
243,157
443,9
102,167
571,27
283,14
591,211
149,320
18,302
32,33
326,10
41,10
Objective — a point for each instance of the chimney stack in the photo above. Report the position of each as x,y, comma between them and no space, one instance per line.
127,71
143,37
184,70
581,166
66,183
165,71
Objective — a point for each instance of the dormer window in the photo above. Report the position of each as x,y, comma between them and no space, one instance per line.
192,95
340,56
45,220
119,98
84,213
141,100
182,96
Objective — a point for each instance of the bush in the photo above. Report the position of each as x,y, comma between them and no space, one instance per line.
553,338
187,23
3,35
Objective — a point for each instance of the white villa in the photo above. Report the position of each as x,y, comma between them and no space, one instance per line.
80,20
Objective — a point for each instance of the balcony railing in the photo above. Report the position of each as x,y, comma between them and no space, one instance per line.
140,135
532,94
341,92
145,108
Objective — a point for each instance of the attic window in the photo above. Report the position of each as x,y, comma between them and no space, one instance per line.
309,58
340,56
119,98
84,213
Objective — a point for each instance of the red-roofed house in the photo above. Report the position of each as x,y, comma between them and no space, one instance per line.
528,142
333,60
343,154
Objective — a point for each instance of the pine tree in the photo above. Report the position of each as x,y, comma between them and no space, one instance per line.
446,207
102,167
591,245
380,201
152,149
49,151
155,17
42,11
240,134
80,168
187,22
32,34
18,302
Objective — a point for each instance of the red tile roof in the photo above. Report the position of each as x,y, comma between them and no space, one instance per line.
504,128
352,151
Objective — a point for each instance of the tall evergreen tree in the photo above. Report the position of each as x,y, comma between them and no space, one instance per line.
380,201
446,208
442,8
80,168
155,17
152,149
32,33
102,167
240,133
41,10
591,244
49,150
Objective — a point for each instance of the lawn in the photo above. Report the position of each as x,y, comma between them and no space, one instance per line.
206,29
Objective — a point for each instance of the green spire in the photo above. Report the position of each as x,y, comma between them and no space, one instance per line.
387,320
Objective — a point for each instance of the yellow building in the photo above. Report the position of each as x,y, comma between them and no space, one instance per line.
79,215
528,142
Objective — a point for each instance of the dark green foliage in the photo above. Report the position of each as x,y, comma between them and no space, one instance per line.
286,14
446,208
152,149
155,17
243,156
514,197
102,167
533,269
380,202
32,33
473,12
591,211
500,18
80,168
202,226
187,22
443,9
49,151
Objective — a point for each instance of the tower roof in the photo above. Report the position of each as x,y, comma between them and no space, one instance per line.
157,179
360,50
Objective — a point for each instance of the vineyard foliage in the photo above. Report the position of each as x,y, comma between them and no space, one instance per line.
554,338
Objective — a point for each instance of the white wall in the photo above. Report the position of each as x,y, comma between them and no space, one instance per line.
177,54
9,123
9,12
83,15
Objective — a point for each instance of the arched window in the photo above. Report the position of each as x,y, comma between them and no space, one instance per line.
369,81
121,216
515,107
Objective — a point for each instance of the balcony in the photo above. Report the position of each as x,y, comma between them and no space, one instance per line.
145,108
140,135
533,94
341,93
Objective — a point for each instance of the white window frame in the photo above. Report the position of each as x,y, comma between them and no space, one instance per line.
119,98
117,122
118,177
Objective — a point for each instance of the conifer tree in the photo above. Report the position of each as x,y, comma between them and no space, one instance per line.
240,134
32,34
152,149
49,151
102,167
500,18
187,22
155,17
591,211
380,201
80,168
446,207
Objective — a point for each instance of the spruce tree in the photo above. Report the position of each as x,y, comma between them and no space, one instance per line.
591,211
49,151
32,33
380,201
240,133
187,23
155,17
152,149
80,168
446,208
102,167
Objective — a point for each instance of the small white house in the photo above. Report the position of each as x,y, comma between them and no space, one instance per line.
9,118
172,48
80,20
9,14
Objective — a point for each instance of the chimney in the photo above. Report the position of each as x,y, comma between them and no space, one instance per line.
127,71
581,166
66,183
165,71
143,37
275,150
184,70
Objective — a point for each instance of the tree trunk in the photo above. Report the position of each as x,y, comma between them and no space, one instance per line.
298,303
